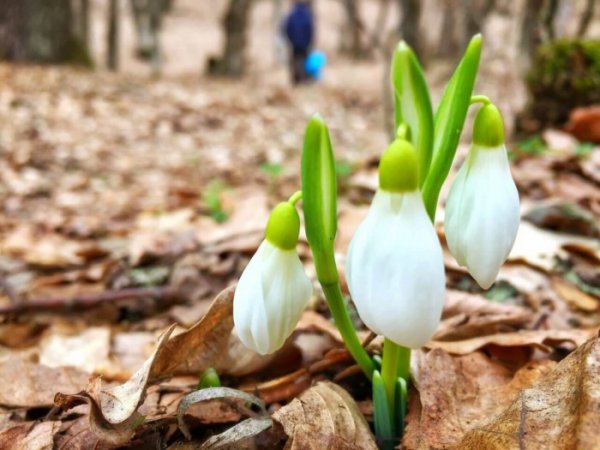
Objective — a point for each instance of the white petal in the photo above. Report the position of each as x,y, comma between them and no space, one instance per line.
286,290
270,297
248,306
482,214
396,271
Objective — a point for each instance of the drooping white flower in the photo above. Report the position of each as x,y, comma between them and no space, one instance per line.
394,266
273,289
482,210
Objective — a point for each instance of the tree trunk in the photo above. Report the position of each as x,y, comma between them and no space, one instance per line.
586,18
475,13
112,56
81,15
279,41
377,37
231,63
450,37
147,16
40,31
531,33
353,30
409,25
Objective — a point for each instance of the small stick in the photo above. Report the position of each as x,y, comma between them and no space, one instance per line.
85,300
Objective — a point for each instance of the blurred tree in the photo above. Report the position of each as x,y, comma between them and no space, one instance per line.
586,18
148,16
409,24
231,62
112,54
42,31
82,21
475,11
352,30
377,37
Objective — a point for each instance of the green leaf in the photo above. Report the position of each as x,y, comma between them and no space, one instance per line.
449,121
382,416
401,403
412,103
209,378
319,198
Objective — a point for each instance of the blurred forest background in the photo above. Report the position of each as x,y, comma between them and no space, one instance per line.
143,142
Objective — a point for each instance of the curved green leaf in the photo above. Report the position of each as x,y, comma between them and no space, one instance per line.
319,198
449,121
382,416
412,103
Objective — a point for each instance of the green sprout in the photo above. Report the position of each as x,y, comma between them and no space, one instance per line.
212,200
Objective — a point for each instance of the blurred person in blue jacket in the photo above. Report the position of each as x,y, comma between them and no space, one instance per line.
299,29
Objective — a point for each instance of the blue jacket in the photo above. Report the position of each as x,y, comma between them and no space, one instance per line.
299,27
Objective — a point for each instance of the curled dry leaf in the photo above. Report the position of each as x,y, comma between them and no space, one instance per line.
202,345
560,411
456,394
467,315
541,339
574,296
235,437
539,248
114,434
325,416
211,394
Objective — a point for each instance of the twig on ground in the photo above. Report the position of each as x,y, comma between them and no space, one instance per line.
86,300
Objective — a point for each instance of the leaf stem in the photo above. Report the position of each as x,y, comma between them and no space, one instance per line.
395,363
389,371
295,197
483,99
337,306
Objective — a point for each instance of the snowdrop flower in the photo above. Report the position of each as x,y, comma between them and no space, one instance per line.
482,211
395,268
273,289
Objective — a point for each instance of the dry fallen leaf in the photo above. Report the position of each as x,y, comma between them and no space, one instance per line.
456,394
30,435
574,296
539,248
467,315
560,411
87,350
37,383
541,339
325,416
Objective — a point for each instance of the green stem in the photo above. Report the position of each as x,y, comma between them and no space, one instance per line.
404,364
483,99
295,197
389,371
396,363
335,301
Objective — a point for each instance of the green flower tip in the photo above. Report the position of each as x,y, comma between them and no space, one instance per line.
399,168
488,129
283,226
317,119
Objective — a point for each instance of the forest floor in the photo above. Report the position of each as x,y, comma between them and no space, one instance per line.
129,203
